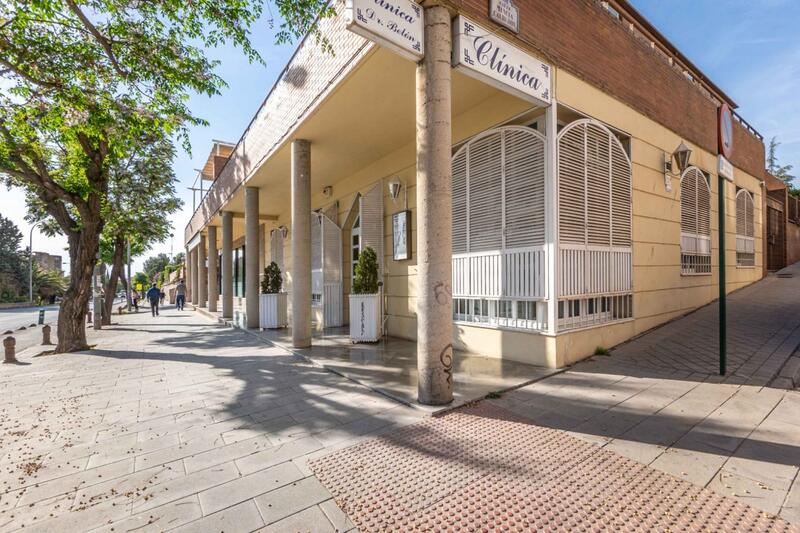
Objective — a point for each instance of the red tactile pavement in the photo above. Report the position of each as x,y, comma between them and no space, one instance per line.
481,468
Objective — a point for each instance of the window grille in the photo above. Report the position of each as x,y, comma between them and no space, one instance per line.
516,314
586,312
745,233
695,222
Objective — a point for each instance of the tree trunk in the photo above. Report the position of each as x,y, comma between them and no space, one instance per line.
110,290
83,248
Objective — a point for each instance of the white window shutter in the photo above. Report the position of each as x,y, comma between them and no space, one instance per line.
485,194
371,214
689,202
276,247
572,185
621,200
460,202
594,187
598,186
523,153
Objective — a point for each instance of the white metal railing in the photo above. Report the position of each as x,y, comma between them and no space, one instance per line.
520,274
588,270
593,311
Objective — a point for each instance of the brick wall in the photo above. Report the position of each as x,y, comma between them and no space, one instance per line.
580,37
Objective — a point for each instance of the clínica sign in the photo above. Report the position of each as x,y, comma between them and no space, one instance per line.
481,54
395,24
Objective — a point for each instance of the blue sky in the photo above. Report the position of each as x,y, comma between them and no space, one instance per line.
750,48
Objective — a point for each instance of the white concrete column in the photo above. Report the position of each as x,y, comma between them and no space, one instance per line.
202,273
301,243
195,288
187,273
252,252
213,289
434,215
227,264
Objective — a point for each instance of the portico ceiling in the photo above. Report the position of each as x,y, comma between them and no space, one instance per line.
369,116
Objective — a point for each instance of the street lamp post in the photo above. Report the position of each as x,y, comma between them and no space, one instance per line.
30,263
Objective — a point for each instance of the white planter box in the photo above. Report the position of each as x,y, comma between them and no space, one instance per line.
272,311
365,317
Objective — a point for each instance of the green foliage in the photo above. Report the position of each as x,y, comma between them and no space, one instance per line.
13,263
273,281
365,280
154,265
782,172
47,283
178,259
601,351
141,281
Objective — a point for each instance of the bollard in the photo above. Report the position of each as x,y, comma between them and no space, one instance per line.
46,335
10,343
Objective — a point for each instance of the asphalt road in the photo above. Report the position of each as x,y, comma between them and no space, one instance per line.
14,318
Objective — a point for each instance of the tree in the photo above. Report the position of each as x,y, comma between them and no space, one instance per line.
141,199
140,281
154,265
178,259
84,81
273,281
776,169
13,278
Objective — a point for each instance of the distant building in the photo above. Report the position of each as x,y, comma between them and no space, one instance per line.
48,261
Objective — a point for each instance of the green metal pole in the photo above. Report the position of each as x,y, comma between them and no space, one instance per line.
723,320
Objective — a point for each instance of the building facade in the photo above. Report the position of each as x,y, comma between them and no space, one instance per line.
522,188
48,261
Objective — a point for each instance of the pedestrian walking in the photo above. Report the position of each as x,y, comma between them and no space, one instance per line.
135,297
154,295
163,295
180,295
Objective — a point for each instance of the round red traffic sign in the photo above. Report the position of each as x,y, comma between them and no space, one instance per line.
725,128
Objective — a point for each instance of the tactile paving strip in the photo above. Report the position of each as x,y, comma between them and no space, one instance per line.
482,468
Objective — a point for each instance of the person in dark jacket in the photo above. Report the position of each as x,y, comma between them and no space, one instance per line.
154,295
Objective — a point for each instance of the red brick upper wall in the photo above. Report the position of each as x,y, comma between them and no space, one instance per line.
580,37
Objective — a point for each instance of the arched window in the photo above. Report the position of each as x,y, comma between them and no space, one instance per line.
595,274
594,186
498,191
695,222
745,233
499,266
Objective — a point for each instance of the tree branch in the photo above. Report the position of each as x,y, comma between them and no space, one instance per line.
99,37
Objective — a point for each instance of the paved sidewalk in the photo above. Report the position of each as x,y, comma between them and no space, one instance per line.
174,422
763,333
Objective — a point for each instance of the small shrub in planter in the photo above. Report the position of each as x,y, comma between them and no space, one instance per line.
273,302
365,300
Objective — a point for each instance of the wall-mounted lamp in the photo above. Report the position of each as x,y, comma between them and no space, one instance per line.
327,192
395,185
681,156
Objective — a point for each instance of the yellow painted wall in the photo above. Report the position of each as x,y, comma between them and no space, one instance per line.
661,293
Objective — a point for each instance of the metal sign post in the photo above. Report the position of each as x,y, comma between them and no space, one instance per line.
723,326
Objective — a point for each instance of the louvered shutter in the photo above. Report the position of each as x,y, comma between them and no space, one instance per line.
594,187
331,250
276,247
485,194
695,212
572,185
598,186
460,202
741,213
316,256
523,152
371,214
689,202
620,196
